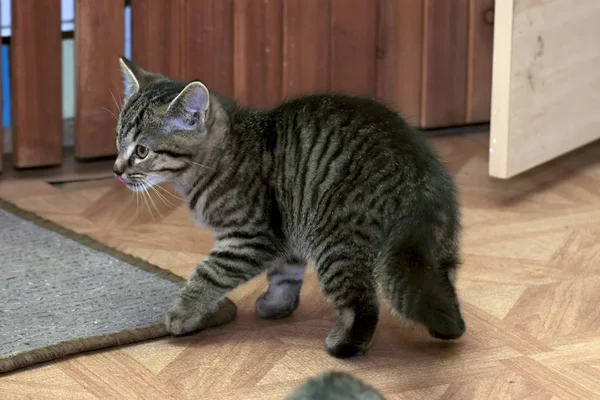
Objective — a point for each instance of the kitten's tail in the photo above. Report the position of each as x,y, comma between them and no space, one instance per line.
420,289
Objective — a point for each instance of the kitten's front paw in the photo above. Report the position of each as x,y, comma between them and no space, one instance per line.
183,318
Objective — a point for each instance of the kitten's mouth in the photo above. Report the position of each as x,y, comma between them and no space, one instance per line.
136,186
136,183
131,185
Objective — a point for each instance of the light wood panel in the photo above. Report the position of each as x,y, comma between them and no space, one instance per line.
36,83
306,49
479,69
445,63
546,86
257,52
528,284
400,56
353,47
99,43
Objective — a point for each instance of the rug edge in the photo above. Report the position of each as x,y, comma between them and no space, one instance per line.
81,345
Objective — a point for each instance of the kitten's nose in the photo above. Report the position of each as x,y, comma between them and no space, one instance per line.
118,170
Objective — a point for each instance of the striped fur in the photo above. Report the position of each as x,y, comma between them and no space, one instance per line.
334,385
339,182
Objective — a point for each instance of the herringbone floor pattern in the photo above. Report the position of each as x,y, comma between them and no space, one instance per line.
530,289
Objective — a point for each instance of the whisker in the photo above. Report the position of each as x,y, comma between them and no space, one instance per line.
154,205
169,193
137,205
198,170
115,100
176,180
146,187
165,201
147,199
143,195
182,182
200,165
166,198
111,113
128,206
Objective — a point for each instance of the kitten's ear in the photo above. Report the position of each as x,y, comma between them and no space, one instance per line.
189,109
135,77
131,80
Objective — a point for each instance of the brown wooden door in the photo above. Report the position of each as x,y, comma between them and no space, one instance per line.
457,62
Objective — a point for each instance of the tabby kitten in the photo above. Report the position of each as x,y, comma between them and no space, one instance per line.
334,385
341,182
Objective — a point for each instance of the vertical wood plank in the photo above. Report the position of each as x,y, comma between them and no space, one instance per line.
305,46
445,63
152,27
353,41
98,44
207,37
257,51
36,83
185,39
479,73
400,54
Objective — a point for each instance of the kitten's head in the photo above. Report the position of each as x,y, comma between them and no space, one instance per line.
162,124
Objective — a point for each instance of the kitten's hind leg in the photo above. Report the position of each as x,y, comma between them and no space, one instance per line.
349,285
283,295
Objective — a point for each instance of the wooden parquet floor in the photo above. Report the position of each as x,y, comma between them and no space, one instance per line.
530,291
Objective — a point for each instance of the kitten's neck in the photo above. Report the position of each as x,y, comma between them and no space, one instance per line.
233,131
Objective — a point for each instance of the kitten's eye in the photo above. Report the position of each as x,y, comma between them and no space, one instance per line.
141,151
